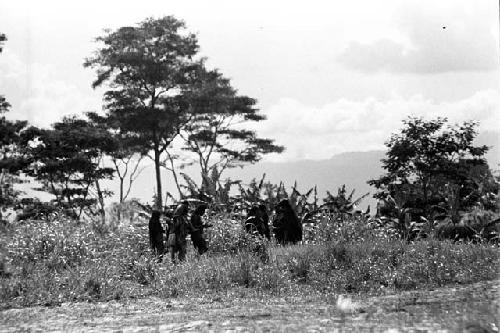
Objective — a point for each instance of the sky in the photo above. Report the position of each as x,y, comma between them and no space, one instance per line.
331,76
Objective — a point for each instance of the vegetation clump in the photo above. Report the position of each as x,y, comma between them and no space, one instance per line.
54,261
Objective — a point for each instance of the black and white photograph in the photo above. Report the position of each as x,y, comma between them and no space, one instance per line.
250,166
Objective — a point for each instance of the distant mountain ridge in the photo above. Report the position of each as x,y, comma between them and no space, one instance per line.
353,169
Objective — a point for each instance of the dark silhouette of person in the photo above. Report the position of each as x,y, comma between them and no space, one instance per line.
257,221
178,232
265,221
199,242
168,222
156,235
252,221
286,225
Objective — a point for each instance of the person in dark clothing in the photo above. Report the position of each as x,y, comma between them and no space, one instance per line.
252,221
156,235
199,242
168,222
257,221
265,221
286,225
178,232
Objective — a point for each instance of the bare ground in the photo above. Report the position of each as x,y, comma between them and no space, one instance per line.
442,310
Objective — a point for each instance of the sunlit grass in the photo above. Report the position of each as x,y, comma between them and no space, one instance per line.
49,262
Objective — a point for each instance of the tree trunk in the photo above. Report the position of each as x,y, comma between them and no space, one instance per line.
100,198
204,176
2,177
159,199
426,199
121,190
119,210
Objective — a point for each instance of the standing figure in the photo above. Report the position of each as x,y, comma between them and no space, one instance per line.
156,235
199,242
257,221
178,232
265,221
168,222
286,225
252,221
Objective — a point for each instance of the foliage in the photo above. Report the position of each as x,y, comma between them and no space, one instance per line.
67,161
269,194
12,158
435,177
126,213
148,67
434,164
227,235
58,260
126,155
215,132
215,191
34,209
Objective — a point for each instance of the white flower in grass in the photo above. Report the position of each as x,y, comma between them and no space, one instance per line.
346,304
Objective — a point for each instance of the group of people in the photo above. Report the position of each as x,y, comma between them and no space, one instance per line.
286,228
178,227
286,225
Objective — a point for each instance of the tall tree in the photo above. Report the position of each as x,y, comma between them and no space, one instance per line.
431,162
216,133
147,67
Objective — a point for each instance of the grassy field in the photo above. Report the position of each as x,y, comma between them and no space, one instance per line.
52,262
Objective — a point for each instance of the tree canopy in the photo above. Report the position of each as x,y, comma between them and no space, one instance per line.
12,158
147,67
216,133
67,161
430,162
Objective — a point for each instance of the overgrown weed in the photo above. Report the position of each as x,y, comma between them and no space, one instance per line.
50,262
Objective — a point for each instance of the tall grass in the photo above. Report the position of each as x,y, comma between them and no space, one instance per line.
49,262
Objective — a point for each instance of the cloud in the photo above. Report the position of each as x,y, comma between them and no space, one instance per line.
442,39
320,132
37,95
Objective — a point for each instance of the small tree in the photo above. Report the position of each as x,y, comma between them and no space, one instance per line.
12,158
431,163
67,160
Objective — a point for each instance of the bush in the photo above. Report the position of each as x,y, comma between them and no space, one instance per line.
227,235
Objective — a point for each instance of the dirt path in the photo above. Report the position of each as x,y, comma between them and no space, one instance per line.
443,310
